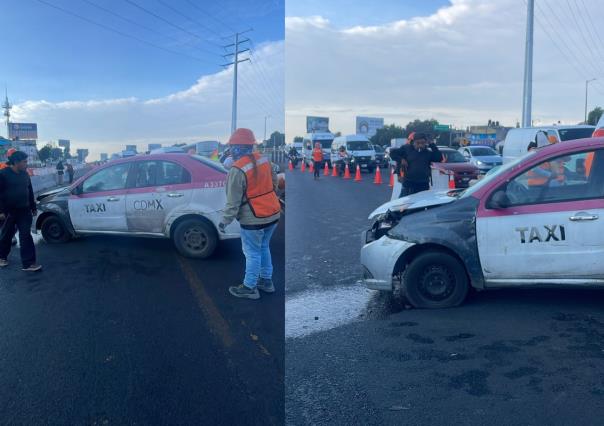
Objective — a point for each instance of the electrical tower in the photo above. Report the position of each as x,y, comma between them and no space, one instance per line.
235,63
6,106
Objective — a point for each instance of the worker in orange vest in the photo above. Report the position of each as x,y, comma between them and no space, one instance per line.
551,173
252,201
317,158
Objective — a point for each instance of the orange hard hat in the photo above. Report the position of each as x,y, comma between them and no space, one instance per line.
242,137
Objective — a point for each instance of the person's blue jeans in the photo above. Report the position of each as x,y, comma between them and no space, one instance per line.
258,263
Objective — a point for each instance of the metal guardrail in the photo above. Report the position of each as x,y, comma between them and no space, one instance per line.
276,155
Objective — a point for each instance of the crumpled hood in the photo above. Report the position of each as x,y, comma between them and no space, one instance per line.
49,194
416,201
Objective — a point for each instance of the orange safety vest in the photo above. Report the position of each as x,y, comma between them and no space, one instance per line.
259,190
317,154
536,180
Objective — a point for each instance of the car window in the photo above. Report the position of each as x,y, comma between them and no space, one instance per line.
483,151
453,157
109,179
571,134
169,173
567,178
146,174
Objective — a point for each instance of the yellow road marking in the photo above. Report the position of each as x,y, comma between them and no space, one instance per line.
218,324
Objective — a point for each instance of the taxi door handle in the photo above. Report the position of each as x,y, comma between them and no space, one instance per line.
113,199
584,217
175,194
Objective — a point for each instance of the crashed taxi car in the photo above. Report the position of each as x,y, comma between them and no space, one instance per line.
537,221
176,196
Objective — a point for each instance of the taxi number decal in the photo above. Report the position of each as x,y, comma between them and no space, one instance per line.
148,205
535,235
214,184
95,208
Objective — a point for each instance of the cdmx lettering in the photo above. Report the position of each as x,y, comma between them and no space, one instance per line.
95,208
148,205
550,233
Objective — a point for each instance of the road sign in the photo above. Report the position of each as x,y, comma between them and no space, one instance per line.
442,127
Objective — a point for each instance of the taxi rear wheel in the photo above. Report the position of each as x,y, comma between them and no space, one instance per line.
53,230
195,238
434,280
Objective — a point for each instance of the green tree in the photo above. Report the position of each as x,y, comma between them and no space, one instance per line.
383,136
421,126
56,153
594,116
276,140
44,153
66,154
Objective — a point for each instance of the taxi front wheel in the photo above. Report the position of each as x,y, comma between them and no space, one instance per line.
195,238
434,280
53,230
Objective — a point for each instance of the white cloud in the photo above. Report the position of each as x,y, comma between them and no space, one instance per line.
462,65
201,111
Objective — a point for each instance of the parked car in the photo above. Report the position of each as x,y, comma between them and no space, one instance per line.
463,170
517,140
176,196
483,157
501,232
380,156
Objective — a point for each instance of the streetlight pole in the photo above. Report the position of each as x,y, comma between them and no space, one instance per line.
586,86
265,118
527,94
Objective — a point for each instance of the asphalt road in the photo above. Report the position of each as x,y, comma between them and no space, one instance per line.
354,356
124,331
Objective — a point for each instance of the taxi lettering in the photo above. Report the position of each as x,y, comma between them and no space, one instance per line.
549,233
148,205
95,208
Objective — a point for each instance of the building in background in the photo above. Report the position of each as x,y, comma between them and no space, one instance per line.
131,148
104,156
153,146
368,126
24,137
82,154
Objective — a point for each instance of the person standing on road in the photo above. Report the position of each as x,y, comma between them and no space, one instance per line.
317,158
251,199
414,160
70,172
18,206
60,169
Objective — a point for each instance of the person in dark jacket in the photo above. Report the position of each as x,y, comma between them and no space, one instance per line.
60,171
414,160
70,172
18,206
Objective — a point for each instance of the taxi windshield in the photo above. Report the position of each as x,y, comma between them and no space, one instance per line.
488,178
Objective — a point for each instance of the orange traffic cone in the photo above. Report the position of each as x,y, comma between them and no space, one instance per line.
291,166
326,170
311,169
303,166
378,176
357,176
451,181
346,172
391,184
334,171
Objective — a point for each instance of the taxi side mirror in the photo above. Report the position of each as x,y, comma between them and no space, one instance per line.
499,200
77,190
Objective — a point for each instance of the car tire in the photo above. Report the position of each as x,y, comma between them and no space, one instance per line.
434,280
54,231
195,238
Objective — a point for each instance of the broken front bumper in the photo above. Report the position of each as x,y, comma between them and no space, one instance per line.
378,259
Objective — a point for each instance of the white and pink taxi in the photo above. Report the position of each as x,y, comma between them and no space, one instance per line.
537,221
175,196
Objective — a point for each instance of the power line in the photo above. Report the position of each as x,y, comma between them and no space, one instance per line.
211,16
161,18
592,27
173,9
140,40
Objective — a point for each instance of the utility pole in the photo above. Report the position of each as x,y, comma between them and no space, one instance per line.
235,63
586,84
265,117
527,95
6,106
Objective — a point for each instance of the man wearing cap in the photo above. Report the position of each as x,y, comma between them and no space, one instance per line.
251,199
415,159
18,206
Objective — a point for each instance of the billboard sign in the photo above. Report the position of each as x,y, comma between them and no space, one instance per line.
368,126
64,143
22,131
317,124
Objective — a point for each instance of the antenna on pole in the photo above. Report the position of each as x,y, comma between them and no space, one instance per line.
236,61
527,95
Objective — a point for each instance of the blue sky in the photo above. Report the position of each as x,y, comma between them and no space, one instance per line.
346,13
103,90
55,56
